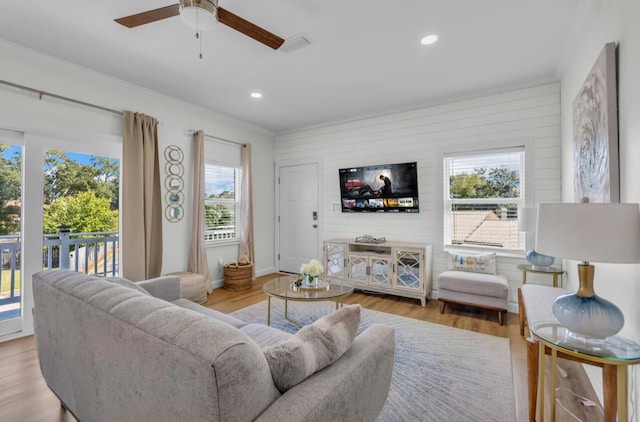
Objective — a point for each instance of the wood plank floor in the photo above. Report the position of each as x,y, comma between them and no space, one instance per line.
24,395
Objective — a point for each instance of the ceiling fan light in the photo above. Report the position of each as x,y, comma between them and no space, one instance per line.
199,14
429,39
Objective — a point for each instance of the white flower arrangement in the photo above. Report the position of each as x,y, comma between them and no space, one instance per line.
312,268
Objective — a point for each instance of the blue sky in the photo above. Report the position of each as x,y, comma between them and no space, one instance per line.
75,156
81,158
10,152
218,179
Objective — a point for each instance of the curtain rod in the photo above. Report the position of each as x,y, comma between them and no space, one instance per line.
60,97
191,132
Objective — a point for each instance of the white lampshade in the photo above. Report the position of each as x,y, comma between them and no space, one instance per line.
527,219
608,233
199,14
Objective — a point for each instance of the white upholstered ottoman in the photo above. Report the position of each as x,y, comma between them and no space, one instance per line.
488,291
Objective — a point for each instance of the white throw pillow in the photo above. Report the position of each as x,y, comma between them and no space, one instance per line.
314,347
485,263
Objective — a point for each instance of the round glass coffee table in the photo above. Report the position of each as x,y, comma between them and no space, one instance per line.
290,288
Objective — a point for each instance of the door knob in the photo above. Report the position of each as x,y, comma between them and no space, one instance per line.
315,226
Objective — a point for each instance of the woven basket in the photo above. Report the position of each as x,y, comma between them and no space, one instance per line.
238,275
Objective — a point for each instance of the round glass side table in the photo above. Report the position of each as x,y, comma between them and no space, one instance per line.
613,354
553,271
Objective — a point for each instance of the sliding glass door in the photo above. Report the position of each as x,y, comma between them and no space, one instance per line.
59,204
10,238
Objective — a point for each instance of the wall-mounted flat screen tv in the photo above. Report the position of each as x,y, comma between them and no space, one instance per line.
380,188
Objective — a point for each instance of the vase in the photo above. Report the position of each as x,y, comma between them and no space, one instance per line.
538,260
311,280
584,313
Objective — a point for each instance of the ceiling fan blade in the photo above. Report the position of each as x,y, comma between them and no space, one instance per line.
149,16
249,29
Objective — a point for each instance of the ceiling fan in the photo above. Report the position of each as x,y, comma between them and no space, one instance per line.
203,14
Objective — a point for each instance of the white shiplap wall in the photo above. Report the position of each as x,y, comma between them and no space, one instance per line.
531,114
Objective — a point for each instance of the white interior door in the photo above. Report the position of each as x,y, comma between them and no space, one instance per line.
298,216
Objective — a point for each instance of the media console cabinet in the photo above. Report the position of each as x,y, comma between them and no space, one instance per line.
402,269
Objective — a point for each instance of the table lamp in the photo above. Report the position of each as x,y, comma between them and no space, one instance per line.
527,218
607,233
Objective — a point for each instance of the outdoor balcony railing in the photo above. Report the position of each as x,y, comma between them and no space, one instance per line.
90,253
220,232
10,275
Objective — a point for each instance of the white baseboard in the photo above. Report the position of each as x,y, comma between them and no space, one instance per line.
215,284
266,271
15,335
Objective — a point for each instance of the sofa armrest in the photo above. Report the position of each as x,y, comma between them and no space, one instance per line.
166,287
353,388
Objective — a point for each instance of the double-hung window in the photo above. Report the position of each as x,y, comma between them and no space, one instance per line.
221,202
482,193
222,164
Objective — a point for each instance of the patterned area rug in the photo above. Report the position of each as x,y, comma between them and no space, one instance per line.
440,373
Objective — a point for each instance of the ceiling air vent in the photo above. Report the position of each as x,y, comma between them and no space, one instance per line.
295,42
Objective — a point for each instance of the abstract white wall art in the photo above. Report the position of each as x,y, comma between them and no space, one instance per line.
595,133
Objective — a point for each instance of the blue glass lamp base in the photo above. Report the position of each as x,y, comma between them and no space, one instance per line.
539,260
591,316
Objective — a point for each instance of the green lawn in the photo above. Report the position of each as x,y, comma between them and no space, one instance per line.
5,285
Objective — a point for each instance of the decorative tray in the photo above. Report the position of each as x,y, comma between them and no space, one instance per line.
299,285
370,239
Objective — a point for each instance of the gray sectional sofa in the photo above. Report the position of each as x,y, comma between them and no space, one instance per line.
121,351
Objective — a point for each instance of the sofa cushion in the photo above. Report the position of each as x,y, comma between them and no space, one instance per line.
185,303
538,302
127,283
314,347
474,283
485,263
264,335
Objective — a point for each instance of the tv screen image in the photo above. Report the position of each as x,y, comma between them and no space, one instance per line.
380,188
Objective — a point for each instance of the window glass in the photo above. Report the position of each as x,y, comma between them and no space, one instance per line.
221,202
483,191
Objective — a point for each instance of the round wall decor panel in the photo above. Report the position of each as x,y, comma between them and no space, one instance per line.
174,183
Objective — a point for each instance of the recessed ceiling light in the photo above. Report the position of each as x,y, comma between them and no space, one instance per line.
256,95
429,39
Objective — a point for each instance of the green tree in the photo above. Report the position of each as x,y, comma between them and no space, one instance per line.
109,176
503,183
84,212
9,192
499,182
465,185
219,214
66,177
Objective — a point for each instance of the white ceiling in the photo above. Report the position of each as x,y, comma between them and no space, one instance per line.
365,57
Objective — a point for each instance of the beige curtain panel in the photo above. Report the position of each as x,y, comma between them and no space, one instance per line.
246,210
198,254
141,237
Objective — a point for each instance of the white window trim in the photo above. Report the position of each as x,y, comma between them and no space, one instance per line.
480,147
